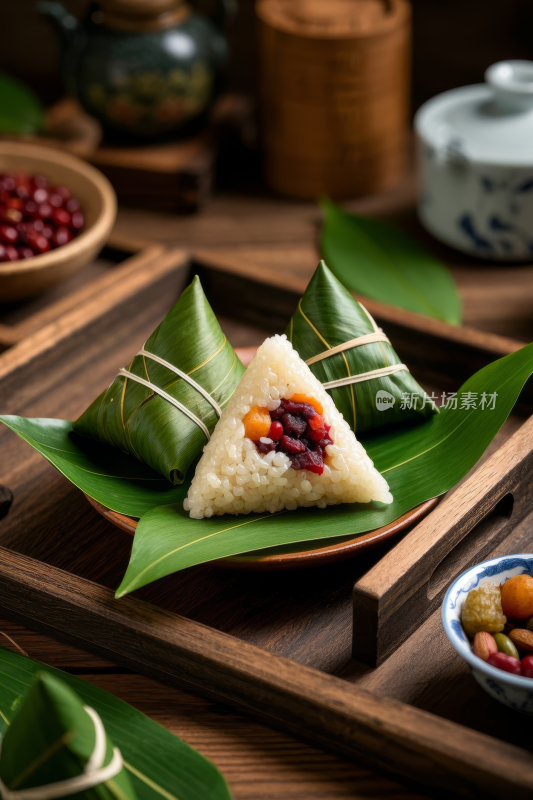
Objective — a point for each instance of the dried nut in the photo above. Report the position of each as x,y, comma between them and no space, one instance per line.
523,639
484,645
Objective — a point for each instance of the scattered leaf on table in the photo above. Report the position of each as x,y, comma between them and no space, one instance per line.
160,766
419,463
378,261
115,479
20,109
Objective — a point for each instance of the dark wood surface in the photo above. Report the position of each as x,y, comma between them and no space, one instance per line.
253,630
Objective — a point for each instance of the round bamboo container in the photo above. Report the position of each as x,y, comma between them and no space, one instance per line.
334,87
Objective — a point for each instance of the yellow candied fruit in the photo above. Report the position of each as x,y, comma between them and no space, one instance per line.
256,423
482,610
304,398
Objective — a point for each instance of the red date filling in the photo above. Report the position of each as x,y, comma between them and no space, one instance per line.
34,216
298,430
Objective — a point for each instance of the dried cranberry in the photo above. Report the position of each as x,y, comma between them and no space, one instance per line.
304,409
289,445
310,461
293,424
276,429
315,435
265,447
505,662
323,443
8,234
278,412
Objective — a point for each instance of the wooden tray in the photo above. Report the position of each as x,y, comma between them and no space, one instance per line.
296,556
277,646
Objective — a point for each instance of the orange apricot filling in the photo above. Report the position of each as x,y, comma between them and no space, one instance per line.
256,423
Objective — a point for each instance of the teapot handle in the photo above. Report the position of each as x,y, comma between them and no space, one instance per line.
224,13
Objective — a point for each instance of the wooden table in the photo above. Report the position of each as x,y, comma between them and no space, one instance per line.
268,233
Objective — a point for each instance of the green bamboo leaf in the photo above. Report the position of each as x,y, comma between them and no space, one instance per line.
378,261
20,109
419,463
168,432
328,316
159,765
114,479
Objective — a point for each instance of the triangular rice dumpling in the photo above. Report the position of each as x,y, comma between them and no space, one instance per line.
281,443
54,741
163,407
342,344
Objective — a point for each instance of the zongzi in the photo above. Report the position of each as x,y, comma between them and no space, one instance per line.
353,358
280,444
57,747
163,407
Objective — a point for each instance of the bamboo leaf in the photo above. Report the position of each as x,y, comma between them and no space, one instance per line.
419,463
328,316
160,766
378,261
20,109
115,479
165,420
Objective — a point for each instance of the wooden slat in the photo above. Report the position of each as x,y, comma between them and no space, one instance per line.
320,707
408,583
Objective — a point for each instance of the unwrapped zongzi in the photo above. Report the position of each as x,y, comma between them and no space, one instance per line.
353,358
163,407
280,444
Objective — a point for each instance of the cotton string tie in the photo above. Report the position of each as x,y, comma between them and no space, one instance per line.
94,774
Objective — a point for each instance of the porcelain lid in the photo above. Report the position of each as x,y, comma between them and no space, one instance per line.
490,123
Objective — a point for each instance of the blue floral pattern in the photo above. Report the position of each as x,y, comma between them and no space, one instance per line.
495,569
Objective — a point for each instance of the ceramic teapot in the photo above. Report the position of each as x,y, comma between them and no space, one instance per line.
143,68
476,164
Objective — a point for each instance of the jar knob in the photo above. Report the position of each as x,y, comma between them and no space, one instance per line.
512,82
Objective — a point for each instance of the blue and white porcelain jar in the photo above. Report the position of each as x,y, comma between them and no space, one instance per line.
475,149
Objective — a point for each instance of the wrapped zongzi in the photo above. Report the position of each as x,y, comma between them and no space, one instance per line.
280,444
163,407
57,747
353,358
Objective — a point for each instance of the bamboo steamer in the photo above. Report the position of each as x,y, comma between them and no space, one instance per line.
334,87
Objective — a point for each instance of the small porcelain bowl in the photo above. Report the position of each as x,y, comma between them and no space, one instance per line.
30,276
511,690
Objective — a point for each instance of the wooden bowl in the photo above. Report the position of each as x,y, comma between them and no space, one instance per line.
299,555
20,279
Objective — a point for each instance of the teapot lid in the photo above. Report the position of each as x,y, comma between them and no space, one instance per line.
490,123
142,15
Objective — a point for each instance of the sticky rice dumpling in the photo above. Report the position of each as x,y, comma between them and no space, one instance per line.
58,747
353,358
280,444
164,405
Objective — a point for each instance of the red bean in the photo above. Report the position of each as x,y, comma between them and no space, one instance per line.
47,231
72,205
276,431
37,242
39,181
55,200
45,210
505,662
30,209
64,236
11,253
77,221
65,194
40,196
62,218
8,234
25,252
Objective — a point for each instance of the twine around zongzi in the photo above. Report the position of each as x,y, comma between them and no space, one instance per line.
94,774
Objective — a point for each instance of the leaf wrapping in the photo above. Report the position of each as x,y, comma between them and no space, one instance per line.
138,421
327,316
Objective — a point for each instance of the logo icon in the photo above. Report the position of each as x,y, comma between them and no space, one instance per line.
384,400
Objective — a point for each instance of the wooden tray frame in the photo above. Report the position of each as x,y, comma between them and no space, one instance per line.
393,735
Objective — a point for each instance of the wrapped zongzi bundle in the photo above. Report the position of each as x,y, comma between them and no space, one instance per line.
280,444
57,747
353,358
164,405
